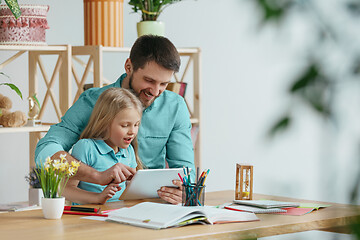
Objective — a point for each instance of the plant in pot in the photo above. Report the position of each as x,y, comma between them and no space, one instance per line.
35,191
27,26
150,11
53,176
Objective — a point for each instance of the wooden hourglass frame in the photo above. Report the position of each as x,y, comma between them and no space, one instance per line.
244,182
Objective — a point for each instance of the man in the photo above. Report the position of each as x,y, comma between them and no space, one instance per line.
164,133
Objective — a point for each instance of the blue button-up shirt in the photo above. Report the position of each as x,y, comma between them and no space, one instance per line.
99,155
164,133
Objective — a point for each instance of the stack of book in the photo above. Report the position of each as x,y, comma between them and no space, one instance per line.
177,87
261,206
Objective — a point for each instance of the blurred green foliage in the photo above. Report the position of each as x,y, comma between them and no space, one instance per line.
317,84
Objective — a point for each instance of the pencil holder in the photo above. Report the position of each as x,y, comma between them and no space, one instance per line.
193,195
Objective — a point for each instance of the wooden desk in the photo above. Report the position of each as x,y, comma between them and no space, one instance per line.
31,224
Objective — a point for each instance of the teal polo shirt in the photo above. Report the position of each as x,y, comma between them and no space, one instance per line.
164,133
100,156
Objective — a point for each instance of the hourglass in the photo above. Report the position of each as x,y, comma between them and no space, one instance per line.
244,182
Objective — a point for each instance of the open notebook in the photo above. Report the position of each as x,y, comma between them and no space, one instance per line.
158,216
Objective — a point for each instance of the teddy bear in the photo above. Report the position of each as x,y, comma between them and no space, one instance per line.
10,119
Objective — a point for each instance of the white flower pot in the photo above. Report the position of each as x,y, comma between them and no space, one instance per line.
150,27
35,195
53,208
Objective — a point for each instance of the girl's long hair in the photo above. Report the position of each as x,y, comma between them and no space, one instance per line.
110,103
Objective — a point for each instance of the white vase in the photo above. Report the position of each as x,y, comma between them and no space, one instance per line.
150,27
53,208
35,195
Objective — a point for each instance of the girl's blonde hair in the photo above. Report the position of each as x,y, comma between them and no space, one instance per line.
110,103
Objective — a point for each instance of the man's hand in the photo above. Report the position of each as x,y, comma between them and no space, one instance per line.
171,194
116,174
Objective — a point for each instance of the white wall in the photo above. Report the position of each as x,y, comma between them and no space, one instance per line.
245,74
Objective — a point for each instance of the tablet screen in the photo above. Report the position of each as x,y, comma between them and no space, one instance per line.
146,182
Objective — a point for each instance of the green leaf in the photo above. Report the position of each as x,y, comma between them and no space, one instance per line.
307,78
36,99
13,87
281,125
14,7
273,10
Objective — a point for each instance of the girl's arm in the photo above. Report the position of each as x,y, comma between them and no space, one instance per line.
75,194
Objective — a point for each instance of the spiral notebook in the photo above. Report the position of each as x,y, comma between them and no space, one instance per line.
243,208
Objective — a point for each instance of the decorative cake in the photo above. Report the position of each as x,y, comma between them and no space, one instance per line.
28,29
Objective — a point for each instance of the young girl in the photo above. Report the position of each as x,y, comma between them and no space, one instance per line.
106,140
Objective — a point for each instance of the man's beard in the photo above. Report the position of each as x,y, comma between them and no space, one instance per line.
137,94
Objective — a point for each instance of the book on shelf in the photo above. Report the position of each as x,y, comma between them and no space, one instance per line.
267,203
160,216
182,90
177,87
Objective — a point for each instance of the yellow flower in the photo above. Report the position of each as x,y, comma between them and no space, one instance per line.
47,166
57,164
63,157
54,174
48,160
75,164
64,166
71,171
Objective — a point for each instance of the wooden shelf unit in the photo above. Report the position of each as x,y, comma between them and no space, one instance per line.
62,69
65,69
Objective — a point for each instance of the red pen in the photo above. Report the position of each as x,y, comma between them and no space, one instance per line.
181,178
85,213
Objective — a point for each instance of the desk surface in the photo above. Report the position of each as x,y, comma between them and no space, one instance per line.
32,225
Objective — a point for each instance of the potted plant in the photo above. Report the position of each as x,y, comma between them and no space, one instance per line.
35,191
27,26
53,176
150,11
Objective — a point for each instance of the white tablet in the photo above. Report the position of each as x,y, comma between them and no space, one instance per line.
146,182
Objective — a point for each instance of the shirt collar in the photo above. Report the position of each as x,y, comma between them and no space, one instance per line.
105,149
120,80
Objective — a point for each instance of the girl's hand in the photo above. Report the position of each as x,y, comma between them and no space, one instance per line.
108,192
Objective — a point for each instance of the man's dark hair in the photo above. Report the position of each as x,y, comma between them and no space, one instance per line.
149,48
